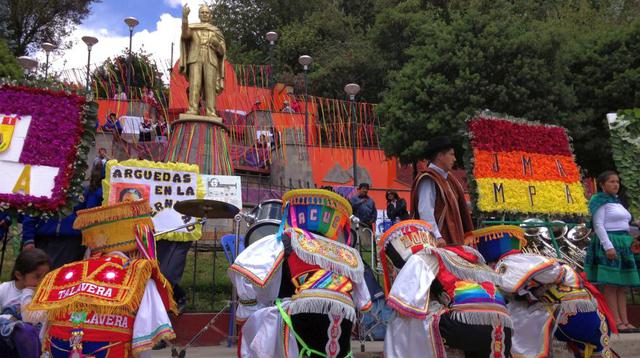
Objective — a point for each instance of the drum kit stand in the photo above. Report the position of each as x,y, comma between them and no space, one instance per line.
207,209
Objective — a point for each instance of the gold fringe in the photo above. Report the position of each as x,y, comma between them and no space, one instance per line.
102,214
141,268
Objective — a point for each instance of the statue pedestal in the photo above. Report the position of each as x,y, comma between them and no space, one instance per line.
201,140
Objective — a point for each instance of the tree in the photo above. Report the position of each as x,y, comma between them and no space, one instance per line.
32,22
469,62
112,74
9,66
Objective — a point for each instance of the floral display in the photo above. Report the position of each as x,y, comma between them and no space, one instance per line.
59,135
524,167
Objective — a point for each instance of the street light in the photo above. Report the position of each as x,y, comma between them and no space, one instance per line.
272,36
305,61
352,90
47,47
90,41
28,63
131,22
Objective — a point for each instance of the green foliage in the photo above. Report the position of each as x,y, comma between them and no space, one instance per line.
565,62
625,142
9,66
472,62
28,23
432,63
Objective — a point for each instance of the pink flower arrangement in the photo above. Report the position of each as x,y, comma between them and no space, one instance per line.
53,139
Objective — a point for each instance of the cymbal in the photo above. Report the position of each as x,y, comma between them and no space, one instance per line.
205,208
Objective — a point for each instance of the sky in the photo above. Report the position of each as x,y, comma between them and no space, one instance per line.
160,22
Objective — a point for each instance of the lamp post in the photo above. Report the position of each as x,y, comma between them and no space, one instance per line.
131,22
47,47
272,36
352,90
90,41
28,63
305,61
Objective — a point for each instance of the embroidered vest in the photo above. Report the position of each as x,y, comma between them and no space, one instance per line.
107,289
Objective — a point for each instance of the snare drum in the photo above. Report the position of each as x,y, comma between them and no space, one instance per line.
261,229
268,210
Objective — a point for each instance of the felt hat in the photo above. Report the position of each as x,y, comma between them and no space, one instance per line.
437,145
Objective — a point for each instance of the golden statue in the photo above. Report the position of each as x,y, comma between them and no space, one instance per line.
202,54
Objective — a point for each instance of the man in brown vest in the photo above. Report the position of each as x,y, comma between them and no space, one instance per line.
438,198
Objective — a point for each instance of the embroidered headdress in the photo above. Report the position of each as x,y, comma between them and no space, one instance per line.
318,211
495,241
117,227
401,241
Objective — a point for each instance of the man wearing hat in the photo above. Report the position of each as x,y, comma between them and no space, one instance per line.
437,196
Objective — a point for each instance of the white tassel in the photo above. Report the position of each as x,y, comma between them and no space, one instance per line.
470,271
481,318
322,305
578,306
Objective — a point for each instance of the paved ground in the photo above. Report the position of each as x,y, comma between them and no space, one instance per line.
626,345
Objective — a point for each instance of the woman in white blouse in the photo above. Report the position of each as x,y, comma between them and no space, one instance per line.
610,262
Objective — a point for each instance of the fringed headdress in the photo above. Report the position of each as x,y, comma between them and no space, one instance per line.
401,241
121,227
494,241
318,211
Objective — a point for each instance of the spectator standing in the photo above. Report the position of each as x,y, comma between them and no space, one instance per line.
101,158
364,208
437,196
610,262
396,207
145,130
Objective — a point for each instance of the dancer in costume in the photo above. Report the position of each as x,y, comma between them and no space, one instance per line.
549,299
305,261
437,196
442,296
112,304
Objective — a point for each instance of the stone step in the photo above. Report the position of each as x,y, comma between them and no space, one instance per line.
626,345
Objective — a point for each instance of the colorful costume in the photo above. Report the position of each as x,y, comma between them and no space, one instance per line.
327,278
109,305
467,312
549,297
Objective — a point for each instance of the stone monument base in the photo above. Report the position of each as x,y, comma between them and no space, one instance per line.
198,118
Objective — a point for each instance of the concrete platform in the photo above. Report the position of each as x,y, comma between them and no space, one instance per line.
626,345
